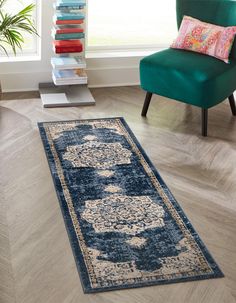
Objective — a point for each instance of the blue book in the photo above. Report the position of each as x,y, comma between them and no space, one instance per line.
60,5
69,36
69,16
67,8
71,3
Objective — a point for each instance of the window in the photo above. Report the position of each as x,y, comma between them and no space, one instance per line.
130,23
31,42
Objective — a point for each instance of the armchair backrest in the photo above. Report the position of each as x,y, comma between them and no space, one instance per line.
220,12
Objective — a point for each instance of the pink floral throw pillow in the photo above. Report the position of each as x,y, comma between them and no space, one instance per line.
213,40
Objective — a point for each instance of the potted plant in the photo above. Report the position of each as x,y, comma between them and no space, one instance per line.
12,27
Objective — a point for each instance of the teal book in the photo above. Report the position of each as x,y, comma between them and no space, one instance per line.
61,5
76,2
69,16
69,36
68,7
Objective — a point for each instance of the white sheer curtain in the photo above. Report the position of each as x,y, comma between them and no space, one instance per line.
131,23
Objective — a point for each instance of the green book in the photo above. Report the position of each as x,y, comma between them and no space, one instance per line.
69,36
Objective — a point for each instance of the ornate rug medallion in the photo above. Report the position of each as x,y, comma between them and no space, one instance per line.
125,227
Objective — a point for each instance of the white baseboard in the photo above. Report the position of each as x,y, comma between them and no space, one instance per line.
98,77
13,90
114,85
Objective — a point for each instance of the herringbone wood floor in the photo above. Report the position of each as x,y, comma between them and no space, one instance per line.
36,261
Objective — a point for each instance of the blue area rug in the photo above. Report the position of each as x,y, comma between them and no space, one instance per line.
125,227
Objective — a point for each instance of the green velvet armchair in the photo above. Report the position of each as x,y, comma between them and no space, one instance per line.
190,77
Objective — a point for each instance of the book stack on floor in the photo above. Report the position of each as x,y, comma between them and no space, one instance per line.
68,44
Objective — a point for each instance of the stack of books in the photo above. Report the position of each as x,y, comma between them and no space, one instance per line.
68,41
67,32
66,62
69,76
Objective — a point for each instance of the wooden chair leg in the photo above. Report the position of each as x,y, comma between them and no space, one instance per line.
146,104
204,122
232,104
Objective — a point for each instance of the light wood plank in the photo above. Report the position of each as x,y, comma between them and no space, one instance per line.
35,254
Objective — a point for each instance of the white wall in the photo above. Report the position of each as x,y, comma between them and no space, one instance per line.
20,76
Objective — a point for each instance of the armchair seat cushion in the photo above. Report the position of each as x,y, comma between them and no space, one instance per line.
188,77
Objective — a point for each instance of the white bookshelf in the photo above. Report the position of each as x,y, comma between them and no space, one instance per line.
69,87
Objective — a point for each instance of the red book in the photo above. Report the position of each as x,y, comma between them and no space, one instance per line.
69,30
71,49
67,43
69,22
68,46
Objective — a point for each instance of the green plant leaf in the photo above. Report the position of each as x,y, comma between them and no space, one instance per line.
11,27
